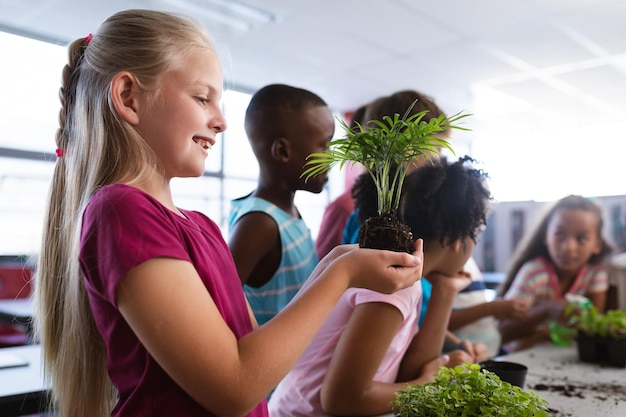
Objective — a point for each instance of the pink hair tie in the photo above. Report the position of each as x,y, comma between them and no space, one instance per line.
60,152
88,39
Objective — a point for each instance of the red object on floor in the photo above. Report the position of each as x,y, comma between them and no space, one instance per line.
15,282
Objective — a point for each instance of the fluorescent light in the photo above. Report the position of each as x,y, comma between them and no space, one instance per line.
225,12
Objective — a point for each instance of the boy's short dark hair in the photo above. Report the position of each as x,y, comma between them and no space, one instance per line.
274,98
269,109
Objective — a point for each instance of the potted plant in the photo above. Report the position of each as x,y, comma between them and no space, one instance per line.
468,391
386,148
599,336
614,322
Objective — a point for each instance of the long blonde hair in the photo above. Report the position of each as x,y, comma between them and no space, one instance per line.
97,148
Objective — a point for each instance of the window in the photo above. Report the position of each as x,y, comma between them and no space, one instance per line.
29,107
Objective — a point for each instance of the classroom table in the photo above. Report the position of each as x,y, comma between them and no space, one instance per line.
22,387
573,388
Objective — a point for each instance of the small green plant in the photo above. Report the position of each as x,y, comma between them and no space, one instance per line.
468,391
615,324
383,146
587,320
386,148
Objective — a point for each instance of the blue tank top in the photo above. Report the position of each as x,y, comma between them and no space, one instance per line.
297,261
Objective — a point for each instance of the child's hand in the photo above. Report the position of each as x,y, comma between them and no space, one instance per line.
510,309
477,351
458,357
451,283
430,368
381,270
555,309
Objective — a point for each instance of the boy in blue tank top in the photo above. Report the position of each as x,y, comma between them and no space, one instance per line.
270,242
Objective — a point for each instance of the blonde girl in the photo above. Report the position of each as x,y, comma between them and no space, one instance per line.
141,311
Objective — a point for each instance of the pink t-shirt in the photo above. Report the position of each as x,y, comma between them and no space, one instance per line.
298,394
122,228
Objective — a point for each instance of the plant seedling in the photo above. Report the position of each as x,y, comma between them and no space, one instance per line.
386,148
589,321
468,391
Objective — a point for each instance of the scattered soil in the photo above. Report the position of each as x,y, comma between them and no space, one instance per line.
386,231
598,392
607,394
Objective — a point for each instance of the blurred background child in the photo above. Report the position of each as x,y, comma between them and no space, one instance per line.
564,254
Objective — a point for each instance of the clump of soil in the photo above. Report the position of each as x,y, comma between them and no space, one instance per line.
386,231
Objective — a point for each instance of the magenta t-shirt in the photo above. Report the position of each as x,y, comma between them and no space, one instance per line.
122,228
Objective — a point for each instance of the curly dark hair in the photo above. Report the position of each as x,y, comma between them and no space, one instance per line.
445,201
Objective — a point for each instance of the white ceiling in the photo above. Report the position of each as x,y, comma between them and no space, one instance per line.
527,65
560,55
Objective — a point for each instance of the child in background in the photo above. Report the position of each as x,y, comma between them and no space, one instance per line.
564,254
270,242
140,309
370,346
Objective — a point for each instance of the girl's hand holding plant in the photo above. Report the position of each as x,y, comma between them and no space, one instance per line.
386,149
379,270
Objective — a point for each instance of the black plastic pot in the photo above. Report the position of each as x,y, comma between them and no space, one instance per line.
591,349
616,353
511,372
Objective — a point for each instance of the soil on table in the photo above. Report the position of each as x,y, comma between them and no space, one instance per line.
596,392
386,231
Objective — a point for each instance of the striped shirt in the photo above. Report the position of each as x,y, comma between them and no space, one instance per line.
298,259
537,279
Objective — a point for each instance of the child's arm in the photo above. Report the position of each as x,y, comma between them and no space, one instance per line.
167,306
538,314
348,387
255,245
499,309
428,342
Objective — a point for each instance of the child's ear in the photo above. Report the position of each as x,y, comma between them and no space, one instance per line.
124,95
281,149
456,246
